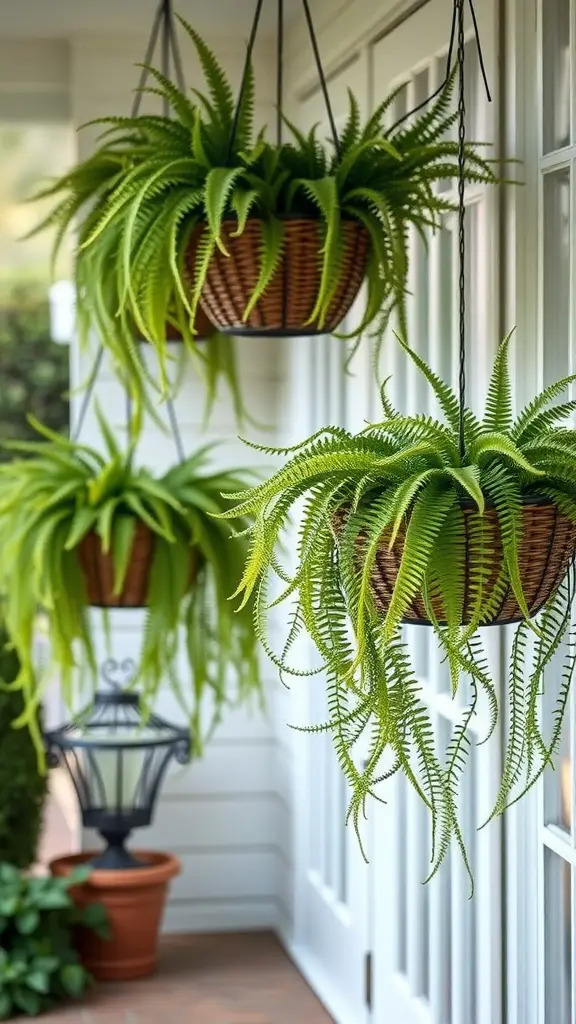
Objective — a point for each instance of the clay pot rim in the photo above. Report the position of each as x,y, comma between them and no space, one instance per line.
161,868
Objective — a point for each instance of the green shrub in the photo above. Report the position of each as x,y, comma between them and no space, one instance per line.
39,966
21,783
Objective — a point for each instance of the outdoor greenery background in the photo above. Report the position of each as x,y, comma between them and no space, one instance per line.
34,378
34,375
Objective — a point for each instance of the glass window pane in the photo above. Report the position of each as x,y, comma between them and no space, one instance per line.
556,73
557,784
556,264
558,945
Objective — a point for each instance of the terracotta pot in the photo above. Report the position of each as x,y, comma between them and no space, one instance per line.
289,300
98,569
135,900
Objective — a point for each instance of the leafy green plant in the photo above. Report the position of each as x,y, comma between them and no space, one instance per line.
39,966
402,487
21,783
161,187
61,493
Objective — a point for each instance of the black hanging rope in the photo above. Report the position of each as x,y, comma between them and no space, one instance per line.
166,19
244,79
280,73
442,86
176,55
459,8
457,34
88,393
163,24
322,77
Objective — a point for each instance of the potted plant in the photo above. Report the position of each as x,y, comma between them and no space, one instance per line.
400,525
81,529
21,781
39,921
194,210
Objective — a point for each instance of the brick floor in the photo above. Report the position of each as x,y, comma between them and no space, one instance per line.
207,979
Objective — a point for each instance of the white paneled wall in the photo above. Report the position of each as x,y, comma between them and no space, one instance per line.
221,815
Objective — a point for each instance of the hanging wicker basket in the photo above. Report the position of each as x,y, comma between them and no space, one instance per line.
288,303
98,570
547,549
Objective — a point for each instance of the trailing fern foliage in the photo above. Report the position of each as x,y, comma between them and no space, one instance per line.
160,188
402,486
52,498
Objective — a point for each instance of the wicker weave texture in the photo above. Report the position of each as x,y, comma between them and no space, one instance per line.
289,300
547,548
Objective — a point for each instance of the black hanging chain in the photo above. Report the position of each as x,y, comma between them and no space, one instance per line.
461,225
163,23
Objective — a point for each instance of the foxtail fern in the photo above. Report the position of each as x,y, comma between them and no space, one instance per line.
402,485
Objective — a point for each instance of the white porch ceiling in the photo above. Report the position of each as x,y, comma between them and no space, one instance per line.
62,19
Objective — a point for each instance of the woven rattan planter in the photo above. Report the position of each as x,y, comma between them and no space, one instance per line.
288,303
98,569
546,551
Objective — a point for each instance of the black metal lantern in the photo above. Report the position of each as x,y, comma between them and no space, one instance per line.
117,758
